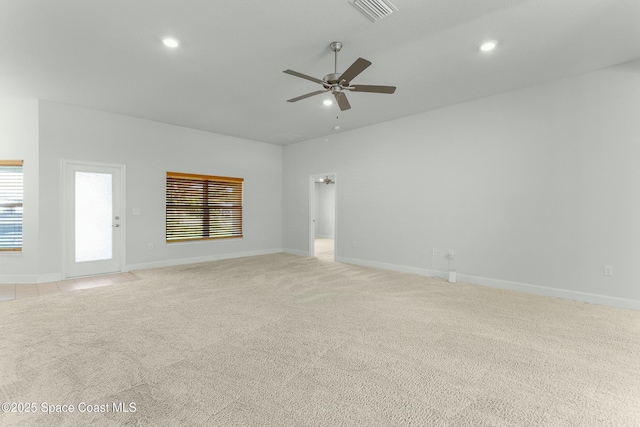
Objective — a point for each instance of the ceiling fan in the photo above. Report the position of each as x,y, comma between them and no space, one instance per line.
338,83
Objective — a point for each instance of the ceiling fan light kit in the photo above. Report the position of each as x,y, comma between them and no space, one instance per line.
337,83
374,10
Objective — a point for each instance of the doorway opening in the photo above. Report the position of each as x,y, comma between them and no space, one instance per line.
322,233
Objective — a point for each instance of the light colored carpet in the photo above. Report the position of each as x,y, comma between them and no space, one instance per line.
282,340
324,249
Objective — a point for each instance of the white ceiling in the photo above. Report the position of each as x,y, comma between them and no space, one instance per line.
226,76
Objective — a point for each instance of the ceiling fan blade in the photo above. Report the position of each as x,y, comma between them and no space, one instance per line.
303,76
356,68
318,92
375,89
343,103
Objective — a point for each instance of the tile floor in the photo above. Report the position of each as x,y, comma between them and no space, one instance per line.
324,249
24,290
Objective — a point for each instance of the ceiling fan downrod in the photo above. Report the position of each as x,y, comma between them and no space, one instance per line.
335,46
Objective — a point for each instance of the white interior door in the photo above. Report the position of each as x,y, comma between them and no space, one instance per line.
93,219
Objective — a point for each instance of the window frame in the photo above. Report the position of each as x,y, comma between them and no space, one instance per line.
231,206
20,218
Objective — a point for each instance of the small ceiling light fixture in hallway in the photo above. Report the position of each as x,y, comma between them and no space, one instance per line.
327,181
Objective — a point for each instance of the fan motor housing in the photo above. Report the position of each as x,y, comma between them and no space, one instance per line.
332,78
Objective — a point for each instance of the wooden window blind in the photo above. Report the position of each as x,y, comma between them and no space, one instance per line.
11,196
203,207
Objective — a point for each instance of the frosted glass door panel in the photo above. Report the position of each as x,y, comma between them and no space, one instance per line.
93,222
93,216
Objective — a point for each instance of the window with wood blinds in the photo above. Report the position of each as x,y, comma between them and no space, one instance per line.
203,207
11,195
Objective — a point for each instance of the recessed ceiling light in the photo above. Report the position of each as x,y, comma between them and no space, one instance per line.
488,46
327,102
336,128
169,42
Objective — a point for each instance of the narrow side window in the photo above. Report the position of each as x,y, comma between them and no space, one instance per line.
11,196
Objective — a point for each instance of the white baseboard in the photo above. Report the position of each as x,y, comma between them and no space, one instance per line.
553,292
295,252
50,277
23,279
393,267
193,260
19,278
503,284
54,277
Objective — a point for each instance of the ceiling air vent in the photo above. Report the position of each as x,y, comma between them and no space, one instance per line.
374,9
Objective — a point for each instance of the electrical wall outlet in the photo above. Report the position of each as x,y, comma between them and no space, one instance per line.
608,270
150,246
452,254
435,251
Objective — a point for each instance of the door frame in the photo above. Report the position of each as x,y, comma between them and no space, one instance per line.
312,213
65,165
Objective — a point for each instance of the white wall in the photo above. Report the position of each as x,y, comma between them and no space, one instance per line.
325,206
149,149
19,141
535,189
